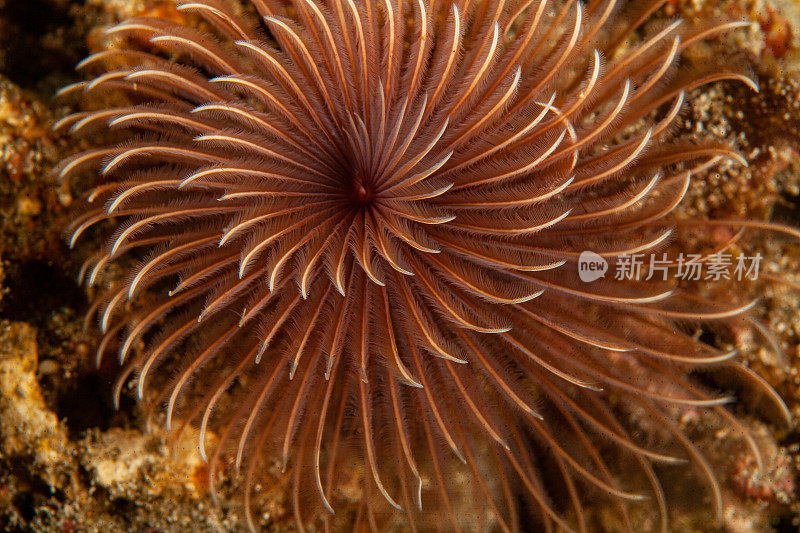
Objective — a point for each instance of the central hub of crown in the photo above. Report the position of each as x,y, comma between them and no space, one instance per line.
362,194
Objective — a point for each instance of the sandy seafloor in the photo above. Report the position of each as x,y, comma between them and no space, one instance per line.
70,462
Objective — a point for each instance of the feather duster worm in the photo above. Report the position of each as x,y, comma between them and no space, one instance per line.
353,232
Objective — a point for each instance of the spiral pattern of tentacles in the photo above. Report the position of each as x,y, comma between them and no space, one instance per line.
353,232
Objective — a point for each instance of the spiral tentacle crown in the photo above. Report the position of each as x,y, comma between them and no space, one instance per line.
353,230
